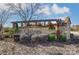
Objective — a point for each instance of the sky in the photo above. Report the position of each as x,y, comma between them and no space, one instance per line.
52,11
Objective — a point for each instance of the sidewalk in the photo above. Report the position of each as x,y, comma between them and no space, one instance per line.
75,33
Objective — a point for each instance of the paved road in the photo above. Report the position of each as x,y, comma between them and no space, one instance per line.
75,33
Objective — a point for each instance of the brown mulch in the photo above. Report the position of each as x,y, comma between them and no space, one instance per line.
9,47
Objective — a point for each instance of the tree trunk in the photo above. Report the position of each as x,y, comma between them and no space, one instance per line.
1,32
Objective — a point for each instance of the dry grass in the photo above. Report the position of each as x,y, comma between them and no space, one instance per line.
8,47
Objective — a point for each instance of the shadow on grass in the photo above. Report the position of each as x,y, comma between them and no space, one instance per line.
37,41
43,41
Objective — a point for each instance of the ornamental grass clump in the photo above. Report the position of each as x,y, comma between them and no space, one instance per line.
51,37
62,38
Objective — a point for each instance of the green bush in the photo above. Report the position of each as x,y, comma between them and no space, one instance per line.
51,37
10,31
7,32
13,30
16,30
72,29
62,38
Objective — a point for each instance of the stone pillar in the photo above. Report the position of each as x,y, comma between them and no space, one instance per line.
14,25
25,24
68,22
21,25
44,23
28,23
62,30
68,31
35,23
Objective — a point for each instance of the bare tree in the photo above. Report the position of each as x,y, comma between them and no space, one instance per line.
26,13
4,16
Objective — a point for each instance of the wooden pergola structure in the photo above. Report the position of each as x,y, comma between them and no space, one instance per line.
33,21
59,24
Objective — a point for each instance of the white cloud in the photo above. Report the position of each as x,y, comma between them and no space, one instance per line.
3,6
55,9
59,10
44,10
63,18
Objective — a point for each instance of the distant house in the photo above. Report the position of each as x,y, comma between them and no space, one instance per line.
75,27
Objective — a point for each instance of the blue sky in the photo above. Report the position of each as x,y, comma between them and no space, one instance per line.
51,11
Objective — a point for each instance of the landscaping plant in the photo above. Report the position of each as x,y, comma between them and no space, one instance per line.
10,31
51,37
62,38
